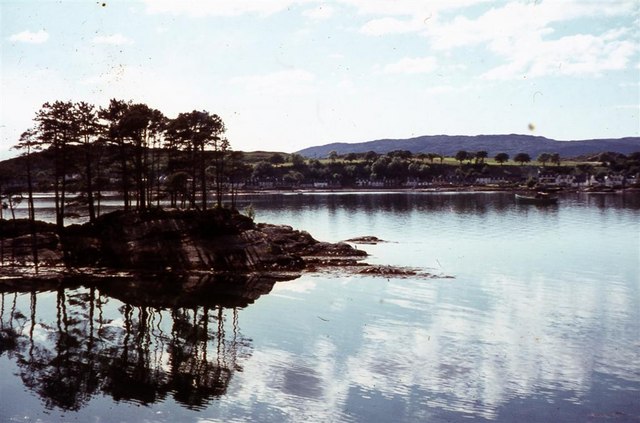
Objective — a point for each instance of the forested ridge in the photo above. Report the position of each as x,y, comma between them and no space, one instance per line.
511,144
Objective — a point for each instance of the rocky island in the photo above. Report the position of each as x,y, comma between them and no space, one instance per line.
217,240
181,251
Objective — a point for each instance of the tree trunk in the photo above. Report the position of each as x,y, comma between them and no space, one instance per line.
32,214
157,178
125,175
193,177
219,176
63,191
139,176
89,176
13,212
203,177
56,189
1,236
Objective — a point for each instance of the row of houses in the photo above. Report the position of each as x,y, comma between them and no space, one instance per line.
543,179
581,181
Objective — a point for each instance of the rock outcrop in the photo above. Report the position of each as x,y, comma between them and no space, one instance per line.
185,248
20,241
218,240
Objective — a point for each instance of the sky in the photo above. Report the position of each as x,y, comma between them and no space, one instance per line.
289,74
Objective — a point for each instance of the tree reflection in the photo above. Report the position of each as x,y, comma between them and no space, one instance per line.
395,203
195,379
126,367
60,368
8,335
169,337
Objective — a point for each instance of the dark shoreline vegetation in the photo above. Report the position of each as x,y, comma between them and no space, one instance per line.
78,151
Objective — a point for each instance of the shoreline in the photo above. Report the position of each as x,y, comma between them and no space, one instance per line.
382,190
112,199
440,190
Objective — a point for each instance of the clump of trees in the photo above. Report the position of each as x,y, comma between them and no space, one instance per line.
136,147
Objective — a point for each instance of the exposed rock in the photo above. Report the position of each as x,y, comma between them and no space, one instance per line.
215,240
20,250
19,237
325,249
370,240
388,271
193,250
218,240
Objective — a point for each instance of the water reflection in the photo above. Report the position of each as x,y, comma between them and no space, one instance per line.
371,202
134,340
539,324
391,202
500,349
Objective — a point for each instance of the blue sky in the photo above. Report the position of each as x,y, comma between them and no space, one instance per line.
288,74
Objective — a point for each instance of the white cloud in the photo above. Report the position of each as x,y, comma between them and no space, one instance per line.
418,9
197,8
574,55
115,39
30,37
523,36
321,12
514,21
503,24
410,65
415,16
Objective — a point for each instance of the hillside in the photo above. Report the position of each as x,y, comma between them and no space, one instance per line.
513,144
12,170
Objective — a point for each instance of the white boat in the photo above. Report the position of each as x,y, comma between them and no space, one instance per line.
541,198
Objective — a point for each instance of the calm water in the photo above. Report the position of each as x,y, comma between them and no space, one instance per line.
540,323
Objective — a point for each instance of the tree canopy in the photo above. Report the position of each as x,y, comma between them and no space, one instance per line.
139,134
522,158
501,158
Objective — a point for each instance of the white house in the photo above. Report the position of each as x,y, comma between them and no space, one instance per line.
614,181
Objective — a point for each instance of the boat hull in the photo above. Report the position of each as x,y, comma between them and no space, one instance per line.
526,199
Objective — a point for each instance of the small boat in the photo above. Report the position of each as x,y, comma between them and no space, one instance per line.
541,198
599,190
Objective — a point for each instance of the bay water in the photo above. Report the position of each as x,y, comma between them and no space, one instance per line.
532,314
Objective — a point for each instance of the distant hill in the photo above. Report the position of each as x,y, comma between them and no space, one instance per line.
449,145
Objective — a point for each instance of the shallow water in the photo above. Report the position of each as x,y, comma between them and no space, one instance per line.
540,323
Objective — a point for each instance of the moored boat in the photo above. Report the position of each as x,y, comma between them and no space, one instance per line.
541,198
